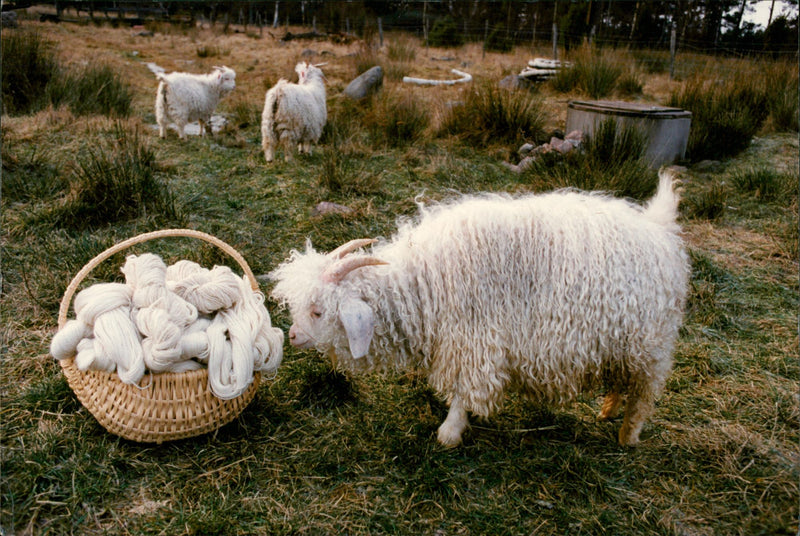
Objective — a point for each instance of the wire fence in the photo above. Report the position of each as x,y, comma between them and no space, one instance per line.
559,26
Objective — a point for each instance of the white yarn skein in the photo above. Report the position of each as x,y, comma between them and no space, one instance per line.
210,290
180,271
117,340
266,341
195,345
220,361
65,343
147,275
86,359
161,342
101,298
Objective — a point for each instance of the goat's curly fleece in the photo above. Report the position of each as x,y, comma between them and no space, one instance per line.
294,113
184,98
549,294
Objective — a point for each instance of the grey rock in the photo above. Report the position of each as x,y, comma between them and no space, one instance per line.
365,84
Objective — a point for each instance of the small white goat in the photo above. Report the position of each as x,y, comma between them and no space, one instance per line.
548,294
294,114
184,98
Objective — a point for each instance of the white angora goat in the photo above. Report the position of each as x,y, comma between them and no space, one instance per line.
549,294
294,114
184,98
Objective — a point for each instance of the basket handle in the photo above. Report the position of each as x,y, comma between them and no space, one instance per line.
73,285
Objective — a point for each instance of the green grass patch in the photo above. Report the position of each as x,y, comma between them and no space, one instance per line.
111,183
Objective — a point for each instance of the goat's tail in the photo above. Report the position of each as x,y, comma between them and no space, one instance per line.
161,100
663,207
271,103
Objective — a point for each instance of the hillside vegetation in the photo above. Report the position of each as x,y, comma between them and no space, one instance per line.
319,452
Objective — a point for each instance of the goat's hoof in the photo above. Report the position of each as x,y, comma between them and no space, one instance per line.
449,436
628,437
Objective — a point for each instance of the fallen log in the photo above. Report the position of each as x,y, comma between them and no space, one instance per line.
465,77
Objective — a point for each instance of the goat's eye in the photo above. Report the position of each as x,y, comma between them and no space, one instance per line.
315,312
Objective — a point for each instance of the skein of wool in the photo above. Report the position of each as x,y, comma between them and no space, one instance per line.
210,290
117,340
146,274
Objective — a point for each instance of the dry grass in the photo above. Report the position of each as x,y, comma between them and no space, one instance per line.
320,453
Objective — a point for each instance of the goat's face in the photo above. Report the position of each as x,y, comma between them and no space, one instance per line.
327,311
308,72
226,78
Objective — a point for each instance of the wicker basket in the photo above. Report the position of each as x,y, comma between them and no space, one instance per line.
163,407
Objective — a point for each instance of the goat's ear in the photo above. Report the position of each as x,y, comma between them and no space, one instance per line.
359,324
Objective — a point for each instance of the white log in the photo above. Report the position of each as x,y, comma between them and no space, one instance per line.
465,77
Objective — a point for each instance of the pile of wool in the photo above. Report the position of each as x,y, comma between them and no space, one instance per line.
172,319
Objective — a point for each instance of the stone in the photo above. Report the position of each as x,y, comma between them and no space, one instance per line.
365,84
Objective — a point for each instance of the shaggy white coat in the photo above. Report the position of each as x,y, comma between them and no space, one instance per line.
294,114
184,98
547,294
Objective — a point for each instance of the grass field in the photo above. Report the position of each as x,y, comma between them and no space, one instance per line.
318,452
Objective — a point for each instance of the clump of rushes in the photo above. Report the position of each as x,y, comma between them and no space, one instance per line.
29,62
725,116
593,72
396,119
611,160
94,89
493,114
114,182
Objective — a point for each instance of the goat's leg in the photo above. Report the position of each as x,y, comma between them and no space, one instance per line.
610,407
450,431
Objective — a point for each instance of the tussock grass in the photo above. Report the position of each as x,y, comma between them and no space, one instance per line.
365,58
318,452
709,202
29,63
611,161
91,90
765,184
34,77
492,114
396,118
597,73
112,183
725,115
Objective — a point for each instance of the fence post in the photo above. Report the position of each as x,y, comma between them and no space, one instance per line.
555,41
673,41
555,31
485,35
275,19
380,31
425,22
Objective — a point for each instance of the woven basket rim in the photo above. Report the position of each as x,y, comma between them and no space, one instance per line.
163,406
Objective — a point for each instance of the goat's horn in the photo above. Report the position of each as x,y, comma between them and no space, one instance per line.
320,64
338,270
353,245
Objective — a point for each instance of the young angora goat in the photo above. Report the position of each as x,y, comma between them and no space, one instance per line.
548,294
184,98
294,114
